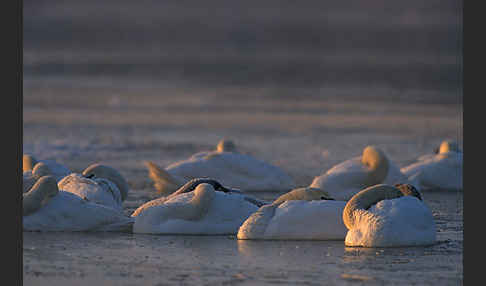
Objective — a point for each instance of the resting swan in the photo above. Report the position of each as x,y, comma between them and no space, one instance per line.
30,177
200,207
349,177
33,169
224,164
302,214
46,208
387,216
438,171
98,183
57,170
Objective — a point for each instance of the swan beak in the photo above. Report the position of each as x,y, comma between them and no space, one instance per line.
223,189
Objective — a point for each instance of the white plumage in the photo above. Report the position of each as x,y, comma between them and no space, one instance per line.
203,211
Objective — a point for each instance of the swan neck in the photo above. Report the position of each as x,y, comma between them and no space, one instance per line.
28,162
364,199
40,170
38,195
448,146
198,205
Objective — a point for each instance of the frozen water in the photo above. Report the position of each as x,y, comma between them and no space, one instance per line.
305,137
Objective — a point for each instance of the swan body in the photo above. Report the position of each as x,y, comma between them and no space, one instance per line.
46,208
306,220
226,165
68,212
349,177
97,190
392,220
395,175
202,211
443,170
297,215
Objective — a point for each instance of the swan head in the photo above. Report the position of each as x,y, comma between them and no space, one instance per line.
226,145
28,162
448,146
409,190
194,183
109,173
377,162
303,194
41,192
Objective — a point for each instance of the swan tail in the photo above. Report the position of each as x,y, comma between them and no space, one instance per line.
255,226
164,182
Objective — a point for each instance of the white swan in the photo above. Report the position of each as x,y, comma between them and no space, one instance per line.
30,177
224,164
46,208
200,207
386,216
438,171
57,170
301,214
349,177
99,184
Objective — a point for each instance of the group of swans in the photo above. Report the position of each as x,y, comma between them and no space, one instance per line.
365,201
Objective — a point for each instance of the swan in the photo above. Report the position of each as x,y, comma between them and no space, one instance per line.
301,214
103,171
226,165
442,170
57,170
98,183
30,177
46,208
388,216
349,177
201,207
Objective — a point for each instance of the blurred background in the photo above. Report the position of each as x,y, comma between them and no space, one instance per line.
398,45
165,79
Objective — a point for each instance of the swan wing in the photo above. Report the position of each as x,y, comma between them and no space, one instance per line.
98,190
343,180
312,220
235,170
